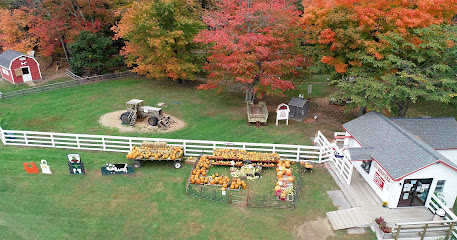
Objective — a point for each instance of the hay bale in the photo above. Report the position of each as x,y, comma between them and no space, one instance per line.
154,144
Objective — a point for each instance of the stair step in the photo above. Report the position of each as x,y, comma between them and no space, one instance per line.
348,218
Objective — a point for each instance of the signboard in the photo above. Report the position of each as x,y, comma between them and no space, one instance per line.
378,180
282,113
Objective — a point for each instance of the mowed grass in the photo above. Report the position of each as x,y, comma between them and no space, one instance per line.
151,204
209,115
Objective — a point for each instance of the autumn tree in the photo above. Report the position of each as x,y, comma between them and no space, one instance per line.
379,49
159,37
54,23
254,43
14,32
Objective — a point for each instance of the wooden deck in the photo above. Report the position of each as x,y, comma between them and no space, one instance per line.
360,195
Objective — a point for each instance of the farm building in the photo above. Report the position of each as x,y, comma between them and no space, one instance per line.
404,159
298,109
18,67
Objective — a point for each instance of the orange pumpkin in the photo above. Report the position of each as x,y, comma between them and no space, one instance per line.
289,172
277,188
223,189
279,174
291,179
232,186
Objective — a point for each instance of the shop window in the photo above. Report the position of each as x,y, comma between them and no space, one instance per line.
440,186
366,166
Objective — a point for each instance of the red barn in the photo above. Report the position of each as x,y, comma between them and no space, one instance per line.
17,67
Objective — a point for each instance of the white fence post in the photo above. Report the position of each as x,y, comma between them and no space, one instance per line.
25,139
2,136
52,140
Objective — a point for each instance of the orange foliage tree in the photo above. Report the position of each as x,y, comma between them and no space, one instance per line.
351,37
159,37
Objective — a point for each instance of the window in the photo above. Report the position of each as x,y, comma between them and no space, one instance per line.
366,165
18,72
5,72
25,70
440,186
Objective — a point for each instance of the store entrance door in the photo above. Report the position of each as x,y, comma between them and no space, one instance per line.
414,192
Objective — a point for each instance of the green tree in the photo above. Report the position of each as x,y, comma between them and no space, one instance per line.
408,71
92,51
159,37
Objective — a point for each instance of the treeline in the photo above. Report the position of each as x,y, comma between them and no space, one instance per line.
385,54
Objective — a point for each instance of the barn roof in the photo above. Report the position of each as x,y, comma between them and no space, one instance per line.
297,102
439,133
8,56
397,150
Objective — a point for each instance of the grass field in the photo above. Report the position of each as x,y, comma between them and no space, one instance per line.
151,204
209,115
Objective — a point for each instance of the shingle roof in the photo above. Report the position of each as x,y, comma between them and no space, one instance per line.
7,56
394,148
297,102
361,153
439,133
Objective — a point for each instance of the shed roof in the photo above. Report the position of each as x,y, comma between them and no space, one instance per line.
297,102
398,151
8,56
439,133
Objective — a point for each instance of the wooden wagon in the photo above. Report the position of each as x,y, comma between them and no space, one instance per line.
257,113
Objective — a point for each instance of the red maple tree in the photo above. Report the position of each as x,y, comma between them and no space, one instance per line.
255,43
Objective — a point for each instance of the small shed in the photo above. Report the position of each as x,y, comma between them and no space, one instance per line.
298,109
18,67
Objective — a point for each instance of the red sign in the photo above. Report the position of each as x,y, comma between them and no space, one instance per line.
378,180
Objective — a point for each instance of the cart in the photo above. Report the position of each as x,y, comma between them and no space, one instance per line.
257,113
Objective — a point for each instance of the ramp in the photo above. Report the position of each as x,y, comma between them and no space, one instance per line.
348,218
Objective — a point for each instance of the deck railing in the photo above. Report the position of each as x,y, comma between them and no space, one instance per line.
124,144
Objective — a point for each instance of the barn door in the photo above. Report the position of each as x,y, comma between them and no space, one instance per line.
26,75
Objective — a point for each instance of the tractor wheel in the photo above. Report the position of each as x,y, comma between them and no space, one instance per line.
153,121
125,118
177,165
136,164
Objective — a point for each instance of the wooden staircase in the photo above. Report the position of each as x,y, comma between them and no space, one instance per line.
165,122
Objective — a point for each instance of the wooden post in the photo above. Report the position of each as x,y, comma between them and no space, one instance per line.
451,228
425,230
398,232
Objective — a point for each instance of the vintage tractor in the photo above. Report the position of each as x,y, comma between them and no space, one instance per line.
136,110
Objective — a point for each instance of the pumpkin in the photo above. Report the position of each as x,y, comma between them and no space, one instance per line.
277,188
223,189
224,185
198,181
277,169
232,186
279,174
291,179
280,179
213,181
204,173
289,172
244,186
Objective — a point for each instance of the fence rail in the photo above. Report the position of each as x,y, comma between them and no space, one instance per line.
124,144
434,204
76,80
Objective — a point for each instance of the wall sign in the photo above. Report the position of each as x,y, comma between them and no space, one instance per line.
378,180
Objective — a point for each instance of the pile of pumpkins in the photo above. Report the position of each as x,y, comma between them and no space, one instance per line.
238,154
306,165
168,152
284,173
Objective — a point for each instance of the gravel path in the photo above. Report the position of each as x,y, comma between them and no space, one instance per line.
112,120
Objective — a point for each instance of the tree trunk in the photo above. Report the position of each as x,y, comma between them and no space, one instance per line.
250,95
64,46
362,110
403,107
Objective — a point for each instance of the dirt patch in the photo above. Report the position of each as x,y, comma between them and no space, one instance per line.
315,230
112,120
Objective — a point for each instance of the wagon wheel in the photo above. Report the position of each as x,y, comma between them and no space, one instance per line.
136,164
177,165
153,121
125,118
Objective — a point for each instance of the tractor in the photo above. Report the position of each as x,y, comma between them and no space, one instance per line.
136,110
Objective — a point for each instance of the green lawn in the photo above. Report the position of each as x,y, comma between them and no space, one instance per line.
151,204
209,115
6,86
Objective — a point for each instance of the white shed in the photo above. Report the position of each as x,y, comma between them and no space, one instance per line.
405,159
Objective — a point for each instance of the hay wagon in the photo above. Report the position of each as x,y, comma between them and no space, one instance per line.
257,113
156,151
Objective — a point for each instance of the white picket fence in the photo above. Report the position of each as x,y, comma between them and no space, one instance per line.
331,152
316,154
